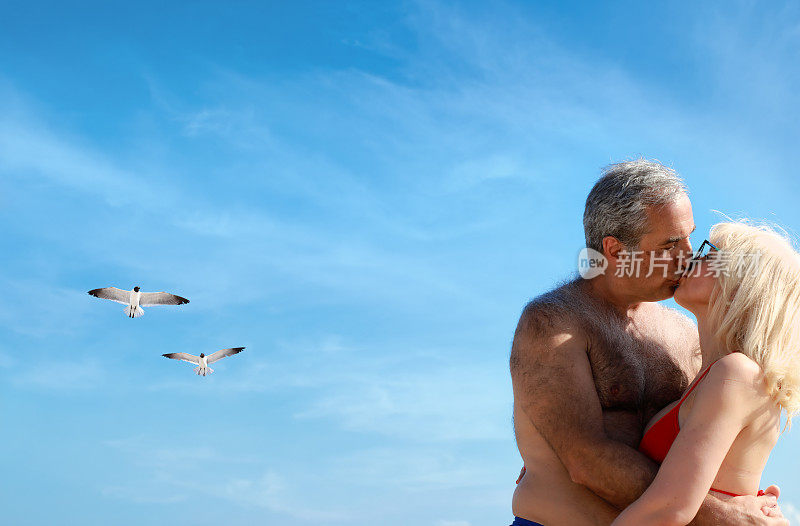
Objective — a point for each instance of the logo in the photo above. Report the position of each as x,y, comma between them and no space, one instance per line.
591,263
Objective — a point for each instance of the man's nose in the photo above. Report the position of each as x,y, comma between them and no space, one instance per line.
684,248
684,254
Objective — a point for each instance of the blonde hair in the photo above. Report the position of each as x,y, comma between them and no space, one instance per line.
755,304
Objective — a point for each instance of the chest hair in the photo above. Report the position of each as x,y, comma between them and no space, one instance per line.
638,368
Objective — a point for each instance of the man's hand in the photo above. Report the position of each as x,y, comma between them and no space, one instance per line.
762,510
773,510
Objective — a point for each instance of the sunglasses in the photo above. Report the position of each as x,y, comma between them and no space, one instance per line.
701,253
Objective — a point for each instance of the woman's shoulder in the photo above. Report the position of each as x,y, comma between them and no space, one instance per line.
738,365
738,382
737,370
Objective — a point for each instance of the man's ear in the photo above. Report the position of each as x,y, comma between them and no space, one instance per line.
611,248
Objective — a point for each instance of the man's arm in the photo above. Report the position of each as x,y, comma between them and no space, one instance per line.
554,385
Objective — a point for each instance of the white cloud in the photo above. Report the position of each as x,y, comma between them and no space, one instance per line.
173,474
61,374
35,307
790,511
6,360
28,147
429,401
472,172
413,469
142,494
425,395
251,250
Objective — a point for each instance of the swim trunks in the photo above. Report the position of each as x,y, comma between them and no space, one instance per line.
519,521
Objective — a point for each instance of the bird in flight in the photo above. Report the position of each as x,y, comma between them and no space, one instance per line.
134,299
203,361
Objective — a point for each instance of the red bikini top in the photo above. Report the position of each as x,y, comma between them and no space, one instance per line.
659,438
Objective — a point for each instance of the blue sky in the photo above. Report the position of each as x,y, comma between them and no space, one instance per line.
365,195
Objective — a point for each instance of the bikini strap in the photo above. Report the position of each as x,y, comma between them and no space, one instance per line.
760,492
696,382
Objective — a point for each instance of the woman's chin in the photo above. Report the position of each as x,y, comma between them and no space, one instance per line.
686,303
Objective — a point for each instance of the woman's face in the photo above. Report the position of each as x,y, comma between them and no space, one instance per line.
695,286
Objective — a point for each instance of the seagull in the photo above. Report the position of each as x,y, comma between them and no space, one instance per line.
203,361
134,299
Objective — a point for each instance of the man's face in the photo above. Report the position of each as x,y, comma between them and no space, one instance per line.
666,248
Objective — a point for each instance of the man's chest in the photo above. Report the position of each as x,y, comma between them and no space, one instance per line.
635,377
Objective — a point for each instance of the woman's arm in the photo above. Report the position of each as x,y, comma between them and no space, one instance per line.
722,408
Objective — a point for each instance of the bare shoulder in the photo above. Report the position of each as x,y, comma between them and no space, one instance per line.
734,386
738,368
541,320
678,321
681,338
547,328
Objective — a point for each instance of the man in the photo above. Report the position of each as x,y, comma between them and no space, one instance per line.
595,359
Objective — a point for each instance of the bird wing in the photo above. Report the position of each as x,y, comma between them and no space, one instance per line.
185,356
219,355
160,298
113,294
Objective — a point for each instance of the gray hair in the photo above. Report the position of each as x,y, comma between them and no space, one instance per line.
617,205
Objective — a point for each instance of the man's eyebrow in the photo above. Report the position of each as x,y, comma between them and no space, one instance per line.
675,239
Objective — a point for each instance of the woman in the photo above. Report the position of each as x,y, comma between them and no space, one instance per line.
745,293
